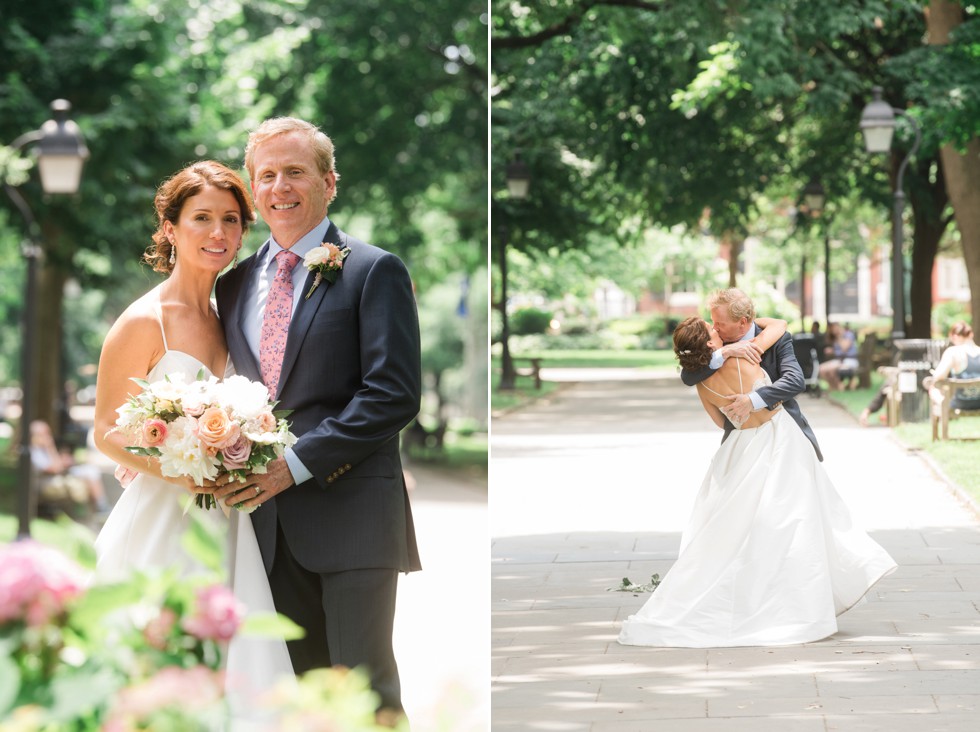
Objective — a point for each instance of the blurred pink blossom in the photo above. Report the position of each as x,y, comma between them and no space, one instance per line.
189,689
217,615
36,582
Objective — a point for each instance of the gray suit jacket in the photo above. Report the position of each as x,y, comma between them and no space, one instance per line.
787,381
351,375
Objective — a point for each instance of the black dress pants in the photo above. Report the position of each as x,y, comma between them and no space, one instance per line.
348,618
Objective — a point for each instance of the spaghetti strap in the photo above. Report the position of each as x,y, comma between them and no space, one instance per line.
738,365
159,309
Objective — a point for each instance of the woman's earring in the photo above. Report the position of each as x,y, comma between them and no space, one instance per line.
234,264
173,254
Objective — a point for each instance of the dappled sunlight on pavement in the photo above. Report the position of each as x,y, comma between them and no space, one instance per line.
595,483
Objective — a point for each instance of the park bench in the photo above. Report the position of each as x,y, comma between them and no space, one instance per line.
942,413
533,369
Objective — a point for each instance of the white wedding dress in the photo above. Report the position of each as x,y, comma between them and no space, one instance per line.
770,555
144,532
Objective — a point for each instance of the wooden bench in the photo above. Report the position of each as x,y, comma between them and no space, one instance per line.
941,414
533,369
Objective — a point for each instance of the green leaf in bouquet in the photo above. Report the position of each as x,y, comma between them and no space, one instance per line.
141,383
204,543
201,375
272,625
282,413
144,451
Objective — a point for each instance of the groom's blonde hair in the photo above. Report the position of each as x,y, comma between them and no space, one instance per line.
320,143
738,304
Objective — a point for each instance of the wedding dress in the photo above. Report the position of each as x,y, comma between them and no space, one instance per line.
770,555
144,532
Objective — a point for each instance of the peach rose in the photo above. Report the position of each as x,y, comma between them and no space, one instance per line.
216,429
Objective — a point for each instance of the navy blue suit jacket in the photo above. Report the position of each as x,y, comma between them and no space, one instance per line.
787,381
351,375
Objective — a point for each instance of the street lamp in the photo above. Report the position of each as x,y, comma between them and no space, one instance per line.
518,185
61,154
878,126
816,198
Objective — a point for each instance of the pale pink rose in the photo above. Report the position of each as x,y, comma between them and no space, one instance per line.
158,629
215,429
188,689
36,582
217,615
328,254
236,456
194,404
154,432
265,422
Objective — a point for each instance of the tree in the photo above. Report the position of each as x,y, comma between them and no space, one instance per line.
669,111
156,85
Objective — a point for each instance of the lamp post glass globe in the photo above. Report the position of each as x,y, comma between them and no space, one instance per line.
518,186
814,196
878,123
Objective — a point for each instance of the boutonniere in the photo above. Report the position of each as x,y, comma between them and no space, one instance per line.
327,261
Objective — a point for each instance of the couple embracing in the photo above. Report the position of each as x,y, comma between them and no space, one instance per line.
330,525
770,555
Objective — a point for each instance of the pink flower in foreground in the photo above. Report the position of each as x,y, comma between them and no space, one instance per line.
217,615
36,582
189,689
154,432
158,629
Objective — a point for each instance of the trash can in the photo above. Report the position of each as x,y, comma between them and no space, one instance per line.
915,359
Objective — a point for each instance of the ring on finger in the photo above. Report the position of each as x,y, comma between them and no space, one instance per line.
258,490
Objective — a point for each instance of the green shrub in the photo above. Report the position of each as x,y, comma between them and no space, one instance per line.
528,321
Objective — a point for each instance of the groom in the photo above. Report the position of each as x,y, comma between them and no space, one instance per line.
733,317
342,352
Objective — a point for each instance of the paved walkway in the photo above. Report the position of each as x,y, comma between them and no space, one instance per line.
595,483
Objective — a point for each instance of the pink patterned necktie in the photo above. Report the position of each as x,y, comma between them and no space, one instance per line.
275,323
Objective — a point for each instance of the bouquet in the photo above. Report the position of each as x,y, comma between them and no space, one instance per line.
205,428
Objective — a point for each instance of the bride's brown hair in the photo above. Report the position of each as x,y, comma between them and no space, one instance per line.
173,194
691,344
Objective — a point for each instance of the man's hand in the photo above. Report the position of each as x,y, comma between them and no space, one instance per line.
739,409
742,349
257,488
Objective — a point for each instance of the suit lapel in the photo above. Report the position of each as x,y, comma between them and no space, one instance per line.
305,311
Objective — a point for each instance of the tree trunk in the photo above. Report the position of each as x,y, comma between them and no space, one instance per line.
48,379
960,170
928,201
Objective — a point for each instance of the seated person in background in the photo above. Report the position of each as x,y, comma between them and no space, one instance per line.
60,481
844,355
961,360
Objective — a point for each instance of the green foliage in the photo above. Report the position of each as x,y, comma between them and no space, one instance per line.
947,313
529,321
401,89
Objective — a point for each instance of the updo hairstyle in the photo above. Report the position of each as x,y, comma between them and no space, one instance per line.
962,329
691,344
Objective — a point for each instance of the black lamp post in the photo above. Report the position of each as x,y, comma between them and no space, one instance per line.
878,126
816,198
518,184
61,154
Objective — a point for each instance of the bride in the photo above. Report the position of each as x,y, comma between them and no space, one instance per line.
203,212
770,555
